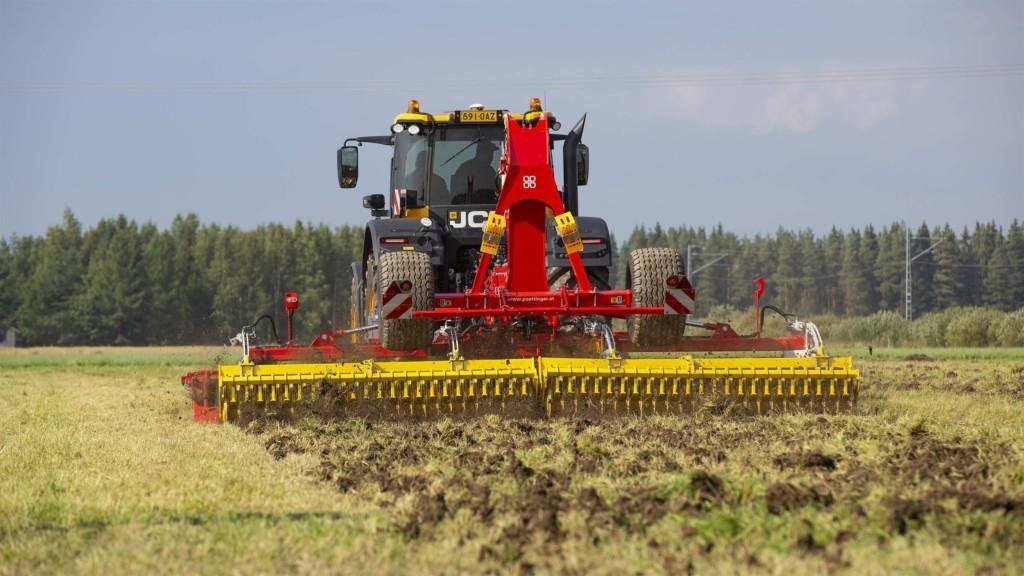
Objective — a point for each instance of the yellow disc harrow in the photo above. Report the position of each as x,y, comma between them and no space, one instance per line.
553,386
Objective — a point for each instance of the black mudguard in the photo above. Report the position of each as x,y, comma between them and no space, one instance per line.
594,255
419,238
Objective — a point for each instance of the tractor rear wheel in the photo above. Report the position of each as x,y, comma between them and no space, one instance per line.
409,334
357,299
648,269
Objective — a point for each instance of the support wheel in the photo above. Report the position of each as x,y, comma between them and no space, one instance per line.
411,334
648,269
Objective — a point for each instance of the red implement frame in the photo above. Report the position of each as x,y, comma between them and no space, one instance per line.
520,286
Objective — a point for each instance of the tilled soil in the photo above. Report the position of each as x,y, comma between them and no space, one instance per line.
532,493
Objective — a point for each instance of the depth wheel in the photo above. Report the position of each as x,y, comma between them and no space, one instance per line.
411,334
648,269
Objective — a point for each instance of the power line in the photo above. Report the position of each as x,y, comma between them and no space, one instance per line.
992,266
703,79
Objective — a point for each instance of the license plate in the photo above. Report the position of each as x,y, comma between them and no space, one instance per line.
478,116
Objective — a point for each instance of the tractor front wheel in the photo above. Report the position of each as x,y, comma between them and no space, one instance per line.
648,269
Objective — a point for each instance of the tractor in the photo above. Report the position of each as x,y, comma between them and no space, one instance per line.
479,287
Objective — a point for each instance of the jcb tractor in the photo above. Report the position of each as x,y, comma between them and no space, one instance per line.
445,180
479,285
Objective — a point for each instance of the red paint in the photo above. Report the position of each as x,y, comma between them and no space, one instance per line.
528,191
203,386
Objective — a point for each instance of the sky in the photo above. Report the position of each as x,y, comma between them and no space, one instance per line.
753,115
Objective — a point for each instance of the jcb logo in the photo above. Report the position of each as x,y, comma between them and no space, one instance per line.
472,219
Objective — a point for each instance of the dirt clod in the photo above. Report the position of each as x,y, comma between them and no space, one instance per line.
281,445
707,487
785,496
515,468
810,459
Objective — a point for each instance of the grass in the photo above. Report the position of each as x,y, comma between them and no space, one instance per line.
102,470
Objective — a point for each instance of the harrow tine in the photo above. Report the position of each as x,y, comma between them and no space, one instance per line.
556,385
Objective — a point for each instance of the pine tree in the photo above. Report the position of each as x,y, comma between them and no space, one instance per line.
20,268
922,273
889,269
812,297
742,274
971,275
657,237
852,277
868,256
712,280
1015,254
111,309
192,290
947,275
788,271
8,289
831,271
983,243
163,298
998,278
44,313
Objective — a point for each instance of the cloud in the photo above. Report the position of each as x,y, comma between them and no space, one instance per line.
787,108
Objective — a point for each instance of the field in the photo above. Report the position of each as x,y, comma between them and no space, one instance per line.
103,471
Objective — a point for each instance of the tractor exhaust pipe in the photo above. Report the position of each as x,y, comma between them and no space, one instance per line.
570,180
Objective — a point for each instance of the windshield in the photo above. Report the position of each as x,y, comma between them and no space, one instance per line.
466,162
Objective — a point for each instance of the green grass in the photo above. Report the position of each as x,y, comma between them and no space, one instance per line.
882,353
102,470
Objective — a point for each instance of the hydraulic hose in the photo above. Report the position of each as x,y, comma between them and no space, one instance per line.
273,326
775,309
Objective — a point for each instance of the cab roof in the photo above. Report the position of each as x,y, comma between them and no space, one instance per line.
475,115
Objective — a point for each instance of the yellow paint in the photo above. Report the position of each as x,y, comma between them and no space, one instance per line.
417,213
494,229
560,385
567,229
449,118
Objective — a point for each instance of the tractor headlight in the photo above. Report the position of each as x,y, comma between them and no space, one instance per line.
414,129
556,125
397,128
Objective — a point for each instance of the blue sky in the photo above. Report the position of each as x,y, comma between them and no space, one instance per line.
754,115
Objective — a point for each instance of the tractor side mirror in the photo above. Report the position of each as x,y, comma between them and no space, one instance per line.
348,166
582,164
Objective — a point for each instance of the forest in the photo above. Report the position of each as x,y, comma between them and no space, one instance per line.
125,283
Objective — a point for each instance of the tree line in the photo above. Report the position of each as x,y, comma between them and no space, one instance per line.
123,283
851,272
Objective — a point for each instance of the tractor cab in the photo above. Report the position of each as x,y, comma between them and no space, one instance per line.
445,166
445,181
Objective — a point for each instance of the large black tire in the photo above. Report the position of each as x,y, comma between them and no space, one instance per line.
357,299
648,269
412,334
